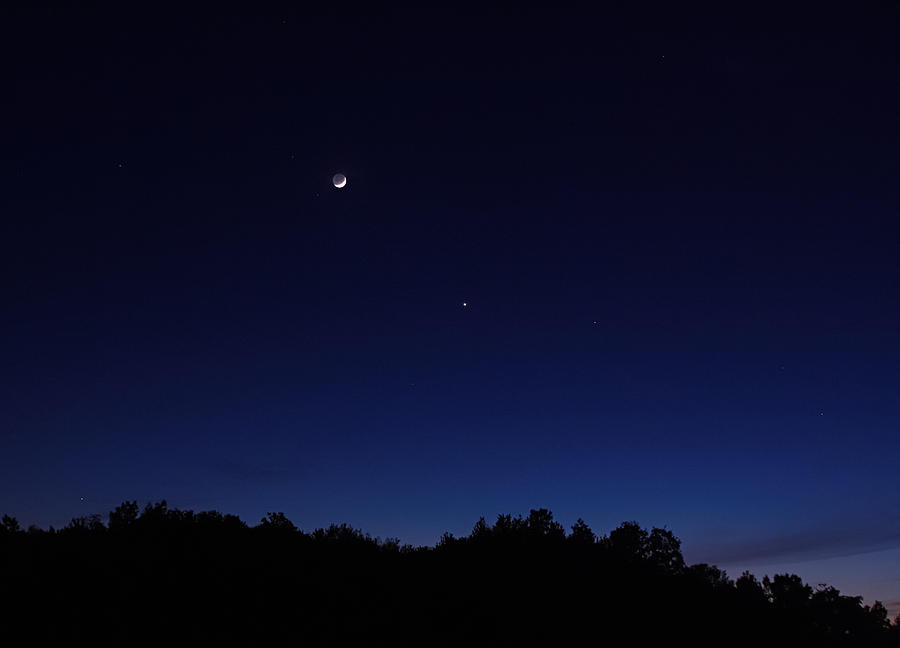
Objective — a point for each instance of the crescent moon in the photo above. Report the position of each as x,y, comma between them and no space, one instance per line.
339,180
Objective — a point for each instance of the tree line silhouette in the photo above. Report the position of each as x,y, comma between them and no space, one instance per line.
164,575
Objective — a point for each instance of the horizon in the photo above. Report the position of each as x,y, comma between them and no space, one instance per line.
847,570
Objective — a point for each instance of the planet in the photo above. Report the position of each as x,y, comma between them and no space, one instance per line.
339,180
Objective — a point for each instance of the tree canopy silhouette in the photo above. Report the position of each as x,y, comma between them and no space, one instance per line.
164,575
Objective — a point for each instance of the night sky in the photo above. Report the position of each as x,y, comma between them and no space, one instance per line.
622,265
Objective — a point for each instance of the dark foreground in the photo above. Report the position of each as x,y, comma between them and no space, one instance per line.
170,577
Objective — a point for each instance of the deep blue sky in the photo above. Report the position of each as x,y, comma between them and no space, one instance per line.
676,234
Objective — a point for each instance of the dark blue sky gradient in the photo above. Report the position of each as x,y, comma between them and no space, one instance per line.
676,235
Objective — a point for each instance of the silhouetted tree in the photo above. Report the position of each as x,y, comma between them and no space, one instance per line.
711,575
628,542
277,522
750,589
507,526
787,591
663,550
9,525
878,616
447,539
85,524
540,524
343,534
481,531
154,514
582,535
123,516
391,545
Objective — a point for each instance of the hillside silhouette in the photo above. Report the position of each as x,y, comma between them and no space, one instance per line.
164,576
